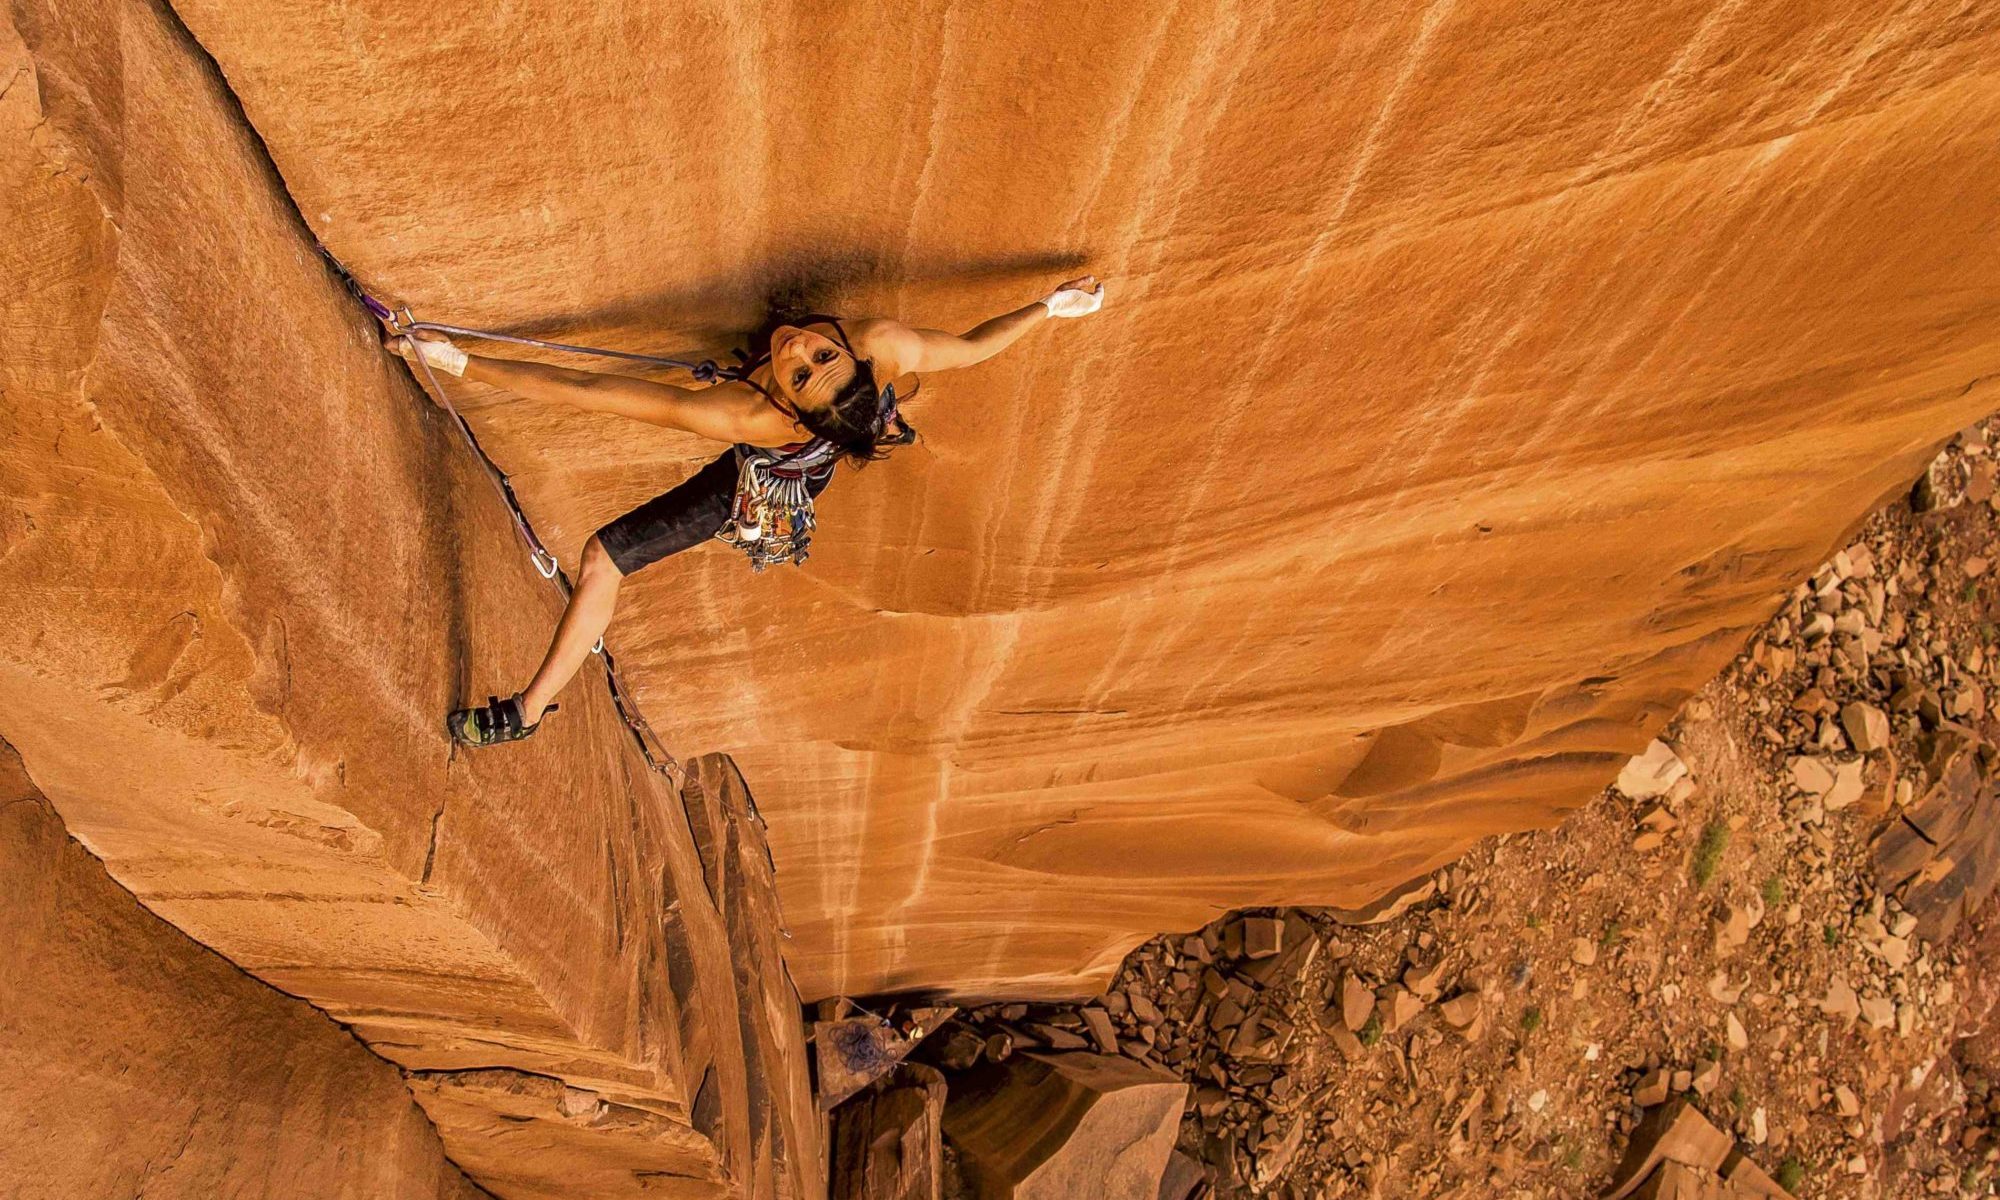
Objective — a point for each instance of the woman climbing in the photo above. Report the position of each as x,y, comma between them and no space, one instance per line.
823,391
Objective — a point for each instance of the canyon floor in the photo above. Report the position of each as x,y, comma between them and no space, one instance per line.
1722,923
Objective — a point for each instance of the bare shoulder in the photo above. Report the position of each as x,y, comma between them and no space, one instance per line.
753,418
891,345
736,412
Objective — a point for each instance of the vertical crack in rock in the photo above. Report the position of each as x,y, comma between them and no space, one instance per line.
430,851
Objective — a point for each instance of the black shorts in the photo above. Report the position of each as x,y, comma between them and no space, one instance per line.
679,519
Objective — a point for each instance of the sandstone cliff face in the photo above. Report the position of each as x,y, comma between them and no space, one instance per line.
1476,373
243,572
137,1063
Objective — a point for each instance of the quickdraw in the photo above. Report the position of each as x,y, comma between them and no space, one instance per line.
704,370
771,518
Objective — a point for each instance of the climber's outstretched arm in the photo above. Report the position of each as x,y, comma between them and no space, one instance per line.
728,412
914,349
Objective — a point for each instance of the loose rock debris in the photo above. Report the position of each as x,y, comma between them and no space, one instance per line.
1054,1126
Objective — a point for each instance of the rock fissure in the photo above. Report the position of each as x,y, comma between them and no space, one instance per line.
430,849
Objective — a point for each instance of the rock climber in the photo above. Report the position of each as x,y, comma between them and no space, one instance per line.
823,390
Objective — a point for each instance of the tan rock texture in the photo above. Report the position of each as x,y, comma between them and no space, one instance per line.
134,1062
888,1144
1475,374
244,570
1049,1126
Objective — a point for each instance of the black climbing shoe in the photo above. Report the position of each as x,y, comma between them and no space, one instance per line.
497,721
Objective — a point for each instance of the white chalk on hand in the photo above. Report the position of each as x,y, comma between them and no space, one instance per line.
442,355
1074,302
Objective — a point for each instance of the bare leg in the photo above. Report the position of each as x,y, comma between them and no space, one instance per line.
591,603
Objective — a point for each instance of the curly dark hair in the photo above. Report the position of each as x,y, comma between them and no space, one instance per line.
858,419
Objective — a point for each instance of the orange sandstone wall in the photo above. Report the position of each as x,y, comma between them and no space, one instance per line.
1476,373
134,1062
244,570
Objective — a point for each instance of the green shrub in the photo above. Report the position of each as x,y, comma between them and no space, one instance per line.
1791,1173
1708,851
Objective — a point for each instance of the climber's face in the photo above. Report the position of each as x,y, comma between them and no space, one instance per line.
808,368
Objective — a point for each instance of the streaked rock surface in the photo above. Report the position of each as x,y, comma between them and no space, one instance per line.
135,1062
1475,374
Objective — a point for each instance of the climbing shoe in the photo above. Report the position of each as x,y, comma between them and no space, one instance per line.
496,721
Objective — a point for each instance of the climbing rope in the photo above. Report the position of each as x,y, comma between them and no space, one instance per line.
544,560
704,370
546,566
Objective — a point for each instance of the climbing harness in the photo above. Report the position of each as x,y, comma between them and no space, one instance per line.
771,518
